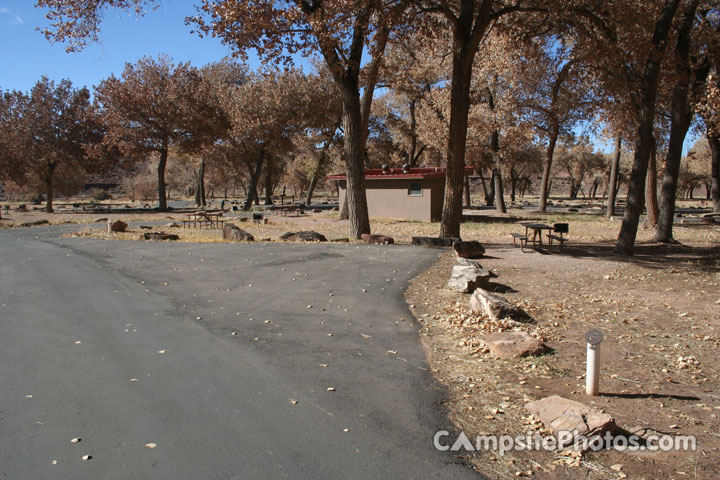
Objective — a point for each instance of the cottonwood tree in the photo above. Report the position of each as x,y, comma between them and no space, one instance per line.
555,92
696,38
53,130
154,106
469,21
12,105
340,31
632,37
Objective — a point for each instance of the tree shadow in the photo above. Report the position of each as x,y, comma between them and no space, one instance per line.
654,396
651,255
500,288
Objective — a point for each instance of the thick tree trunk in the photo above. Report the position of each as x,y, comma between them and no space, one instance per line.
457,138
254,179
651,201
547,168
714,141
354,150
645,107
49,181
681,117
162,193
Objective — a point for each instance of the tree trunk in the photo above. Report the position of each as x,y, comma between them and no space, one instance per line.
322,163
354,150
200,200
457,138
645,107
466,191
268,188
254,178
499,191
513,183
51,165
344,214
497,175
490,197
681,117
484,187
162,194
651,202
545,186
714,141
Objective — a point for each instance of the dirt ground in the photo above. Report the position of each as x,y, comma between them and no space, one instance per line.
658,311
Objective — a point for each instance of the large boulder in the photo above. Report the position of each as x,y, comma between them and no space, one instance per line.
497,307
233,233
379,239
514,344
434,241
568,419
118,226
467,278
469,249
304,236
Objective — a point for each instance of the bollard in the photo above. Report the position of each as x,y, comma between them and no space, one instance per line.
593,338
109,225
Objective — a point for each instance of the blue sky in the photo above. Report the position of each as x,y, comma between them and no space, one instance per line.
27,55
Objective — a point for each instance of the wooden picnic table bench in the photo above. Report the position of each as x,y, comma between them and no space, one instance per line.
536,228
203,219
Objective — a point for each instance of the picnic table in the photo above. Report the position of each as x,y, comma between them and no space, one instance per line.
537,229
203,219
287,209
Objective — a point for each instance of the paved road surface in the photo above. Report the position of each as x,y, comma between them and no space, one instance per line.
83,322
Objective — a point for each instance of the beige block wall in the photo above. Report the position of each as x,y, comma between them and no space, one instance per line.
390,199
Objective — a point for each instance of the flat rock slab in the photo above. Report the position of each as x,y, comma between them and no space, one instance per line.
35,223
158,236
468,278
568,419
514,344
379,239
497,307
470,249
304,236
233,233
434,241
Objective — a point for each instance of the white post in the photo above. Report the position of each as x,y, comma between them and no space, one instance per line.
109,224
592,373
